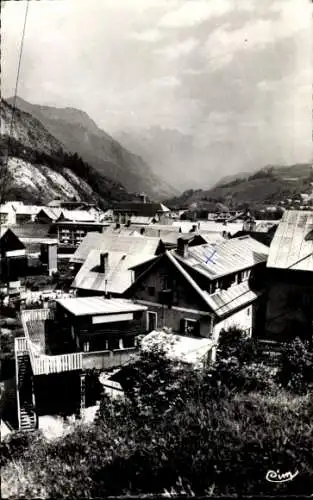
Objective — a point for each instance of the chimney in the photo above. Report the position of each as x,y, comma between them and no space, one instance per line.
182,247
143,198
104,261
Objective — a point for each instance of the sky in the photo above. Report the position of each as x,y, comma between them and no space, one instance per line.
235,75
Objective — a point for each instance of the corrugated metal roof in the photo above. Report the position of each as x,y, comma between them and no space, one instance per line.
110,242
220,259
292,245
225,301
118,276
81,306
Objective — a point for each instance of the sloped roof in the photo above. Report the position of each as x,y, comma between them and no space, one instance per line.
52,212
292,245
108,242
78,215
28,209
139,208
178,347
141,219
225,301
32,230
220,259
81,306
209,226
117,278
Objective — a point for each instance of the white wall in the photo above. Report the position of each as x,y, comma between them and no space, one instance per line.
241,319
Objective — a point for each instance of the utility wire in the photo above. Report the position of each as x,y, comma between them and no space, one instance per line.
4,169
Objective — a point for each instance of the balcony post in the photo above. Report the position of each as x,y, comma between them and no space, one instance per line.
82,391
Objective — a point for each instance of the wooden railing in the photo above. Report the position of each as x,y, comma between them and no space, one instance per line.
37,314
104,360
41,363
44,365
20,345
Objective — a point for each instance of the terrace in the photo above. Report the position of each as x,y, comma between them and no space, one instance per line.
53,350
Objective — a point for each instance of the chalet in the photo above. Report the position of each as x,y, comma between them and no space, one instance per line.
106,261
61,344
289,278
198,291
13,260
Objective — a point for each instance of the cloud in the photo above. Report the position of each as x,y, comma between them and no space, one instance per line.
166,81
174,51
193,12
152,35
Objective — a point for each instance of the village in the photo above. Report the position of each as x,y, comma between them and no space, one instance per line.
84,290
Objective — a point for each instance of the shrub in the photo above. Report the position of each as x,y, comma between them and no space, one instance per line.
296,369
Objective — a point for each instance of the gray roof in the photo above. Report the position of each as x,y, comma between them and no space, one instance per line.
229,256
117,278
225,301
109,242
222,302
292,245
80,306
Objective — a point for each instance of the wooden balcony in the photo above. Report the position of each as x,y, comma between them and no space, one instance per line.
43,364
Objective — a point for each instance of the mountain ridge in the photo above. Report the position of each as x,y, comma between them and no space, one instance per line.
80,134
269,185
40,169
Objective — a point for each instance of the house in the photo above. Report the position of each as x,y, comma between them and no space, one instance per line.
13,260
142,212
26,213
289,278
7,214
106,261
198,291
71,233
61,344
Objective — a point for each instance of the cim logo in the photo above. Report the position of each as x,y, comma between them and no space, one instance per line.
278,477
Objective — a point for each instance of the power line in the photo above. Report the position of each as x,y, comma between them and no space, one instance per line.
4,169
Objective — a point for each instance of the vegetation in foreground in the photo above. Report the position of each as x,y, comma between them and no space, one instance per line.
213,431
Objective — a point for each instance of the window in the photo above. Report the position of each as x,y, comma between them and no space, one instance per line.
86,346
249,311
151,291
190,326
152,321
166,283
